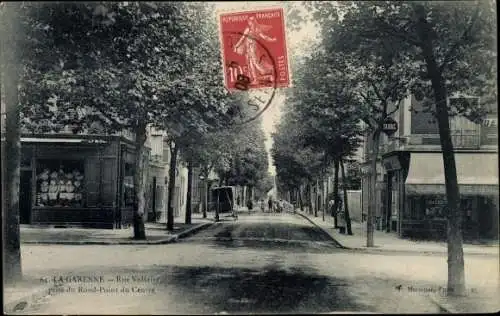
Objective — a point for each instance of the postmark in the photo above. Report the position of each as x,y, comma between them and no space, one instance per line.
254,54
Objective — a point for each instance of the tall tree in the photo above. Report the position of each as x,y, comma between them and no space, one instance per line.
453,45
328,109
346,202
10,72
132,62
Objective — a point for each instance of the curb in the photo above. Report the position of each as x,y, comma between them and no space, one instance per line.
378,250
28,300
443,307
337,243
193,230
167,240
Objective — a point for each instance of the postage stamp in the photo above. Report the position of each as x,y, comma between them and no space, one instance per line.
254,49
255,57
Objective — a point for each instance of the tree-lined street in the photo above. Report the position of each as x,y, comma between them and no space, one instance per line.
264,263
124,122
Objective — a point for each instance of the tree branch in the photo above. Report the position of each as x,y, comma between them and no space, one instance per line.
377,92
391,30
451,53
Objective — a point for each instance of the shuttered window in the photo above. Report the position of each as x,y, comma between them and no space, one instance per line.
93,183
108,181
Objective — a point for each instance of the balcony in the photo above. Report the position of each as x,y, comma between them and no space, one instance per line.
462,139
157,158
466,139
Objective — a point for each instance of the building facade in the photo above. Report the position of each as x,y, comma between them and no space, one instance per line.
411,181
158,180
76,180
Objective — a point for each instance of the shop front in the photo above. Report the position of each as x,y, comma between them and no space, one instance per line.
425,209
396,169
75,180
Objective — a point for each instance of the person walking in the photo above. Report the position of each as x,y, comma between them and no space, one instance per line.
270,204
249,205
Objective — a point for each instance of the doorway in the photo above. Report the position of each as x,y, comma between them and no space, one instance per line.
25,197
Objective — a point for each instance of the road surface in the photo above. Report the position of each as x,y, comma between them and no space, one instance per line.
261,263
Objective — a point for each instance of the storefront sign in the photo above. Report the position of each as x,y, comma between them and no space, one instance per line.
390,126
94,141
489,130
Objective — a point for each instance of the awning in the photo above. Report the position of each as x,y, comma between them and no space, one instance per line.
62,140
477,173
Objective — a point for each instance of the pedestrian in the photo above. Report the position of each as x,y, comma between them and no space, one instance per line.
250,204
331,203
238,201
270,204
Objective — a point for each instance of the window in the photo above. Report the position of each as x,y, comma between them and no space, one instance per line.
435,206
416,208
60,183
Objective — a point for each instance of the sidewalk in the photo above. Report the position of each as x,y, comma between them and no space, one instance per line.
29,291
156,233
487,300
390,241
26,292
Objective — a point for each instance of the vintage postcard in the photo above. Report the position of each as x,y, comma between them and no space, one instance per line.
278,157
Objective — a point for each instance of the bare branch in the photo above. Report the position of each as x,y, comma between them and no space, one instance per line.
451,53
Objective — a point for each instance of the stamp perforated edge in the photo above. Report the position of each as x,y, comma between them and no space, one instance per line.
221,11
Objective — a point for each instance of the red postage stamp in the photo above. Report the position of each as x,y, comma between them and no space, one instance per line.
254,49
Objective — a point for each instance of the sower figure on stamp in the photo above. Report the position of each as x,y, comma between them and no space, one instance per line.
247,45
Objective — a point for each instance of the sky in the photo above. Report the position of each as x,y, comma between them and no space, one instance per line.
271,117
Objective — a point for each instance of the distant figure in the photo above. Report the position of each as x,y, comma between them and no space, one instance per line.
238,200
250,205
262,205
270,204
280,206
331,204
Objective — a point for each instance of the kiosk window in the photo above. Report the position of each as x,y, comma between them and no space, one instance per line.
60,183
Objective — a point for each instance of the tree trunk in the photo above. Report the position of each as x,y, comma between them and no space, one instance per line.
327,201
10,78
456,273
189,193
301,204
310,193
153,202
335,192
323,206
217,206
205,197
389,202
346,202
316,198
372,203
140,180
171,186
